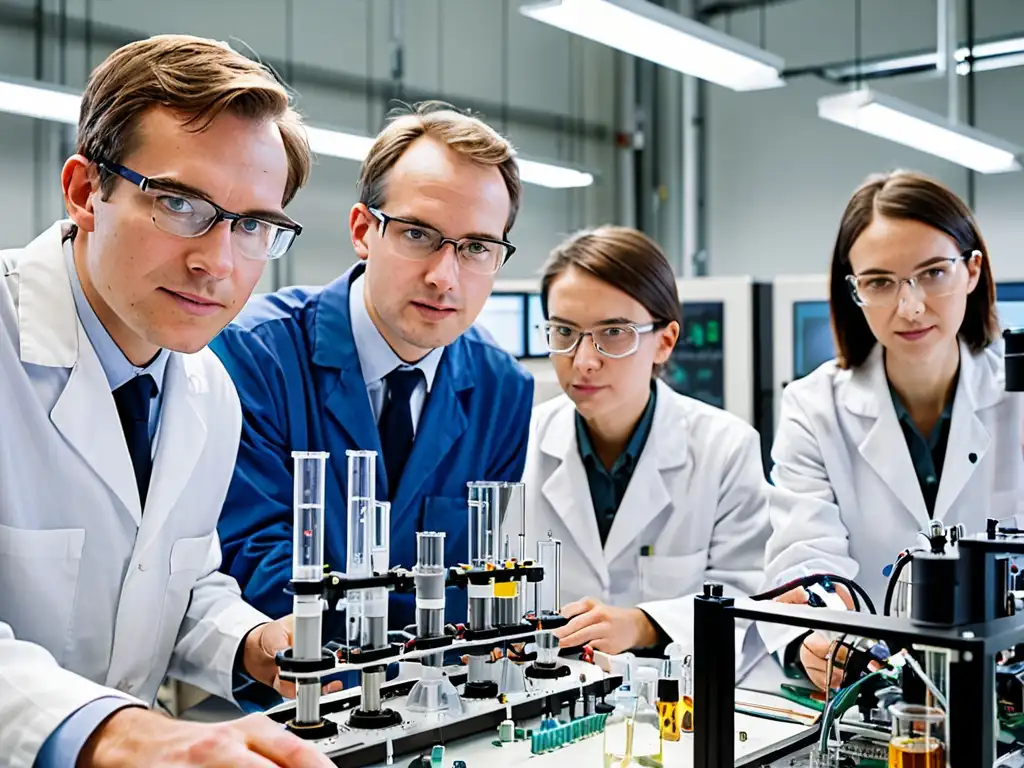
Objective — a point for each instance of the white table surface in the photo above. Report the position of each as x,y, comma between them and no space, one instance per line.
478,751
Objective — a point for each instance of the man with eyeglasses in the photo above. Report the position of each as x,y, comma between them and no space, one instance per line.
120,429
384,359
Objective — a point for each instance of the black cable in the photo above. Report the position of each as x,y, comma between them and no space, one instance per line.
890,589
817,578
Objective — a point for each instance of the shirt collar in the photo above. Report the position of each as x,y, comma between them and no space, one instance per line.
628,458
903,415
376,357
118,368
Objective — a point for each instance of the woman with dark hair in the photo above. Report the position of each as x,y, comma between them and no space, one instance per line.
910,423
650,492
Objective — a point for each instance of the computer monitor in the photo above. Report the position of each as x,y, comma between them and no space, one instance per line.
812,336
697,365
536,345
1010,304
504,317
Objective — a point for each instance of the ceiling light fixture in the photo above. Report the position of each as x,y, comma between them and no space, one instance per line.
896,120
45,102
653,33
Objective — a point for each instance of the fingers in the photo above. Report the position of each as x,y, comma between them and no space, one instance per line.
593,634
287,688
797,596
578,607
578,622
271,741
844,593
333,687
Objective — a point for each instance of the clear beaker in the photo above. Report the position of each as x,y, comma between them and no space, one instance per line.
918,736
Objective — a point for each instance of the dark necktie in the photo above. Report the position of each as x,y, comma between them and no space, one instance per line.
133,401
395,424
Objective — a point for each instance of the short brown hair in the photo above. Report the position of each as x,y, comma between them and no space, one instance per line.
623,257
915,197
195,77
468,135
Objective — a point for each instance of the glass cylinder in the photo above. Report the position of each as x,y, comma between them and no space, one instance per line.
549,590
429,574
380,543
918,736
484,522
362,500
308,526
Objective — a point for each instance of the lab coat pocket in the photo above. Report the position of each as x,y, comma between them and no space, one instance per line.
666,576
41,570
187,563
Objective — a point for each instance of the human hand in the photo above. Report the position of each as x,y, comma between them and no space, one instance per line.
259,659
605,627
134,736
814,653
799,596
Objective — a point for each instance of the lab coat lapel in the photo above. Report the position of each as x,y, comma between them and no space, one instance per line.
567,491
881,442
51,335
979,387
647,494
179,442
86,416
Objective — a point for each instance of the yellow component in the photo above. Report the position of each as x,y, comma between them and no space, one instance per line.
506,589
687,714
489,567
510,564
669,716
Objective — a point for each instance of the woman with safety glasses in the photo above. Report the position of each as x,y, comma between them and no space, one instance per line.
650,492
910,423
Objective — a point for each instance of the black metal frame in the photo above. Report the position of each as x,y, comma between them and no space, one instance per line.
971,677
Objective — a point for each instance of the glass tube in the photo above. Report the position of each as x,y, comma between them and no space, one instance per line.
549,557
362,499
308,502
484,522
429,573
380,544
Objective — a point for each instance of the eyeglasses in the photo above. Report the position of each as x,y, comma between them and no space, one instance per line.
934,281
419,242
614,341
189,216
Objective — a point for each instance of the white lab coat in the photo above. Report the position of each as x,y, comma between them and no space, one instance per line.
849,499
697,496
97,599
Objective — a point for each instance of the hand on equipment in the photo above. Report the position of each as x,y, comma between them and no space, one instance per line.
261,647
800,596
136,736
605,627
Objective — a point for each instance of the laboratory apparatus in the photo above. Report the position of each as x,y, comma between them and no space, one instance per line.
918,739
428,700
632,733
547,616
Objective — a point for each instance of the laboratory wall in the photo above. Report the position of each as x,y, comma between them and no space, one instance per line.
778,177
550,92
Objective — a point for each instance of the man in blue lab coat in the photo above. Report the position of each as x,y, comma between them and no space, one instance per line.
384,359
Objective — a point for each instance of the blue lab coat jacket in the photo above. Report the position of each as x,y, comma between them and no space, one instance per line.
293,359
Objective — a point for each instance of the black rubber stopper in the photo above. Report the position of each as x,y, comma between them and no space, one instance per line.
322,730
482,689
385,718
540,672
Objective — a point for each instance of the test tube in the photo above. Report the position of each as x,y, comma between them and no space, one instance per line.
514,507
308,502
375,599
549,590
362,500
484,522
308,566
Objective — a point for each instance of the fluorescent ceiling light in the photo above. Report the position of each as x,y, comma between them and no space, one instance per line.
892,119
996,54
31,99
45,102
650,32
